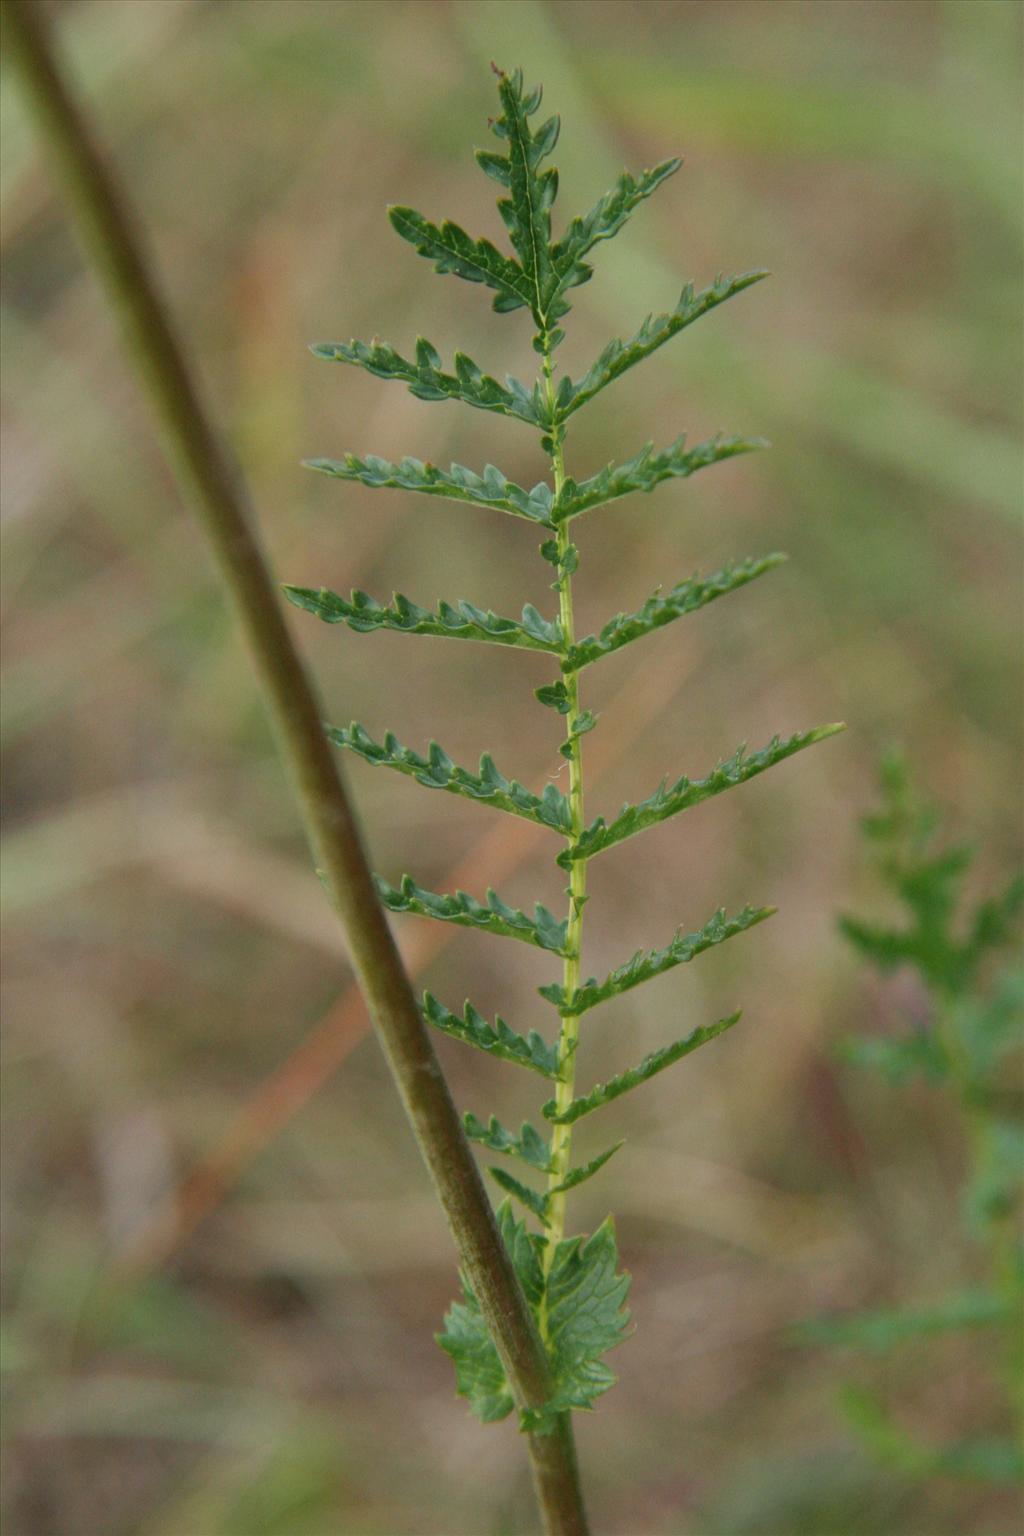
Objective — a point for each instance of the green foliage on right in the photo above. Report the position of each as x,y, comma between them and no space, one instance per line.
972,1033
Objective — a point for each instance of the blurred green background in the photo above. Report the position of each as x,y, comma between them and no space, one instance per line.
255,1358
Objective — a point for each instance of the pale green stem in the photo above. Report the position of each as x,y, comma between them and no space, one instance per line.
561,1140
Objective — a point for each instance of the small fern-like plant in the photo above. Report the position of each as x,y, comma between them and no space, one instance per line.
966,1034
571,1282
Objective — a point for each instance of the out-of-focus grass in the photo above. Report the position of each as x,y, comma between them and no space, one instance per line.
166,945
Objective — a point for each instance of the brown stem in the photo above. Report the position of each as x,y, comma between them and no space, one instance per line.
214,488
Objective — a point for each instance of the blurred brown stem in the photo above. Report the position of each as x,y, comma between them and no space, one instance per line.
214,488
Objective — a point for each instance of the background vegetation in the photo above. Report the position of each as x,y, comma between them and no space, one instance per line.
260,1362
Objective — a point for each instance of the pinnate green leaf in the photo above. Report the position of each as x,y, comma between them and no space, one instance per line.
492,916
670,799
496,1040
651,1065
647,469
662,608
491,489
437,771
572,1286
529,1146
646,964
427,379
459,621
618,356
452,250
